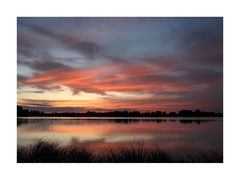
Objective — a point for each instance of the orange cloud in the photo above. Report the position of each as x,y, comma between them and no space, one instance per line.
133,81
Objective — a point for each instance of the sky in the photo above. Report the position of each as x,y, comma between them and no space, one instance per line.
102,64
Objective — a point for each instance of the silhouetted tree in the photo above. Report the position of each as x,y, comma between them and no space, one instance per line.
124,113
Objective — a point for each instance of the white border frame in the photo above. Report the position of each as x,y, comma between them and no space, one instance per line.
10,170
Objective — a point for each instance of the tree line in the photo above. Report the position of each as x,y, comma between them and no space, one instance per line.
182,113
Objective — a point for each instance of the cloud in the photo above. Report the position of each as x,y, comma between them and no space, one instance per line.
44,65
88,48
179,62
46,108
202,45
34,91
124,77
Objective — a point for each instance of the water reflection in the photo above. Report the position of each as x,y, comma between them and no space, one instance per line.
73,120
169,133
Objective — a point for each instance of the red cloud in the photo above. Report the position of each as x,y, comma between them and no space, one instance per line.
169,91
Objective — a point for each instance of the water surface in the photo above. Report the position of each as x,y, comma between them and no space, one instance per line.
172,134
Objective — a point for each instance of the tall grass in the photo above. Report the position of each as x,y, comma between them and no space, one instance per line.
45,152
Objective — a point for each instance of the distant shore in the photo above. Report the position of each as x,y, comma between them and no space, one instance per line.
182,113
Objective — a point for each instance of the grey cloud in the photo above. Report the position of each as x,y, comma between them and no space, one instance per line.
45,65
88,48
204,47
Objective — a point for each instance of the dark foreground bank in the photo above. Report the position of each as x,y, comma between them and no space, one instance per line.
45,152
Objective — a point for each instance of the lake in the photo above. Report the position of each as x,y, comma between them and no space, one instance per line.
170,133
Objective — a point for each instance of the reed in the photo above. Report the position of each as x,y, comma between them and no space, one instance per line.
46,152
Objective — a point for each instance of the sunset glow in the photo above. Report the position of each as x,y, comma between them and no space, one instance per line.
102,64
